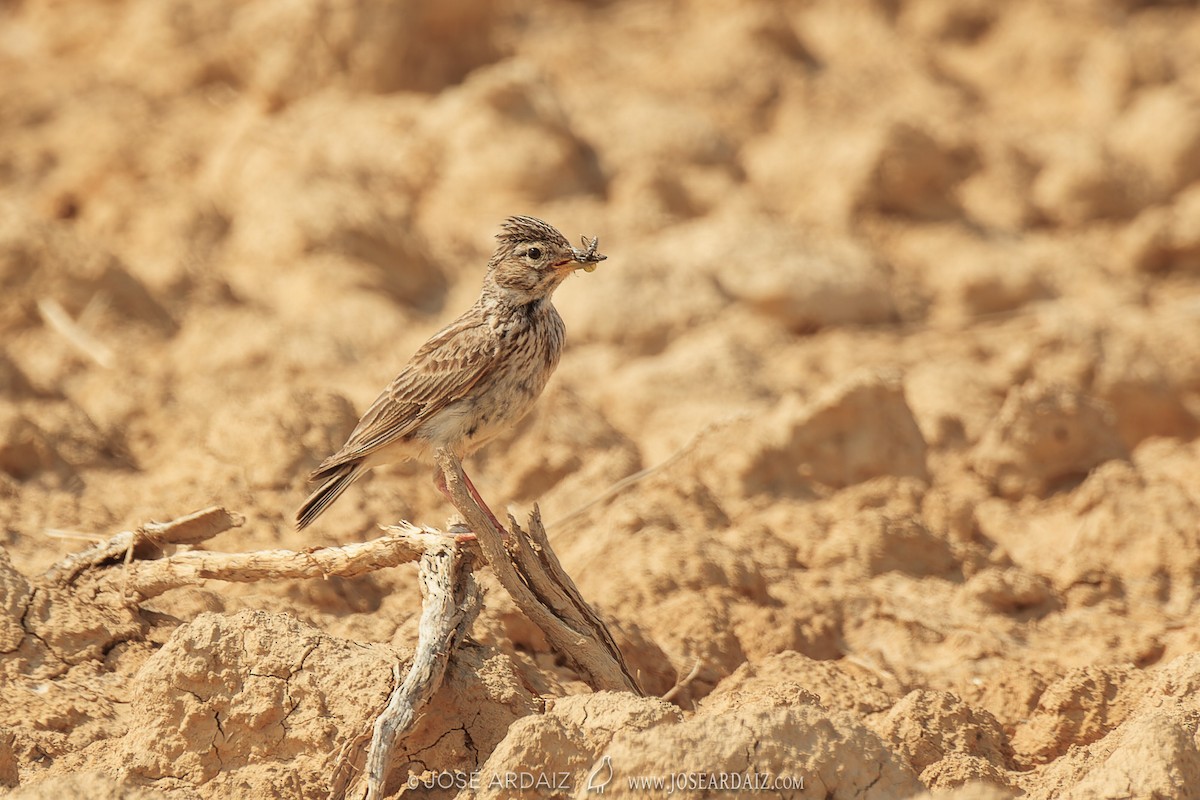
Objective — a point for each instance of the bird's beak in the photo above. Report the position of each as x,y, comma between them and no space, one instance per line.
587,258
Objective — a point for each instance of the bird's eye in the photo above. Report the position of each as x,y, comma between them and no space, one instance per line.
534,252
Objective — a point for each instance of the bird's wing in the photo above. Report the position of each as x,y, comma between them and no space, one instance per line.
442,372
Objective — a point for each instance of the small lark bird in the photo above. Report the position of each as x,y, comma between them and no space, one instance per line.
477,376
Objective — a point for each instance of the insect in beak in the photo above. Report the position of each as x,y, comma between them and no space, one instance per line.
588,258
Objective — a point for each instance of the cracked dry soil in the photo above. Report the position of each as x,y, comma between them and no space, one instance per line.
899,315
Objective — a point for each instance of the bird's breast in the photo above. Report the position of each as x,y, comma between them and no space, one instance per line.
529,347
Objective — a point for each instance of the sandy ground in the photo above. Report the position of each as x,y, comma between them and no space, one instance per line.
902,304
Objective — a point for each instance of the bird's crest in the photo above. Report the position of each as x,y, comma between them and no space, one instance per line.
529,229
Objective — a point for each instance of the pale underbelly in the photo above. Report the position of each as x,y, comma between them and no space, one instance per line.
472,422
488,410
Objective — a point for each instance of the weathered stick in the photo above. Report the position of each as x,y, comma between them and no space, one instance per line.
540,563
400,545
140,580
451,602
147,541
530,572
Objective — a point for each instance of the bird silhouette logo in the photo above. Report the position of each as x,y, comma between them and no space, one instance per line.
601,775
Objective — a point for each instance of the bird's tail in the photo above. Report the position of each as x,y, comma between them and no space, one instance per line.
336,483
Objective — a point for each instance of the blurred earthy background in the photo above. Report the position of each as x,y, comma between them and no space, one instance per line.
902,302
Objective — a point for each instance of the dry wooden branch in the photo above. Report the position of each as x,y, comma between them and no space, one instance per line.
401,545
141,579
148,541
451,602
529,571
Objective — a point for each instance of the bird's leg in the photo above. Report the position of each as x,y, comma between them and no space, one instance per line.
439,480
475,494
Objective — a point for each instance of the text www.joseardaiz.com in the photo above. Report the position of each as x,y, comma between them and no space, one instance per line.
603,776
733,782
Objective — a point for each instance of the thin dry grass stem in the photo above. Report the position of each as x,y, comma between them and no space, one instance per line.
641,475
685,681
61,323
529,571
870,666
74,536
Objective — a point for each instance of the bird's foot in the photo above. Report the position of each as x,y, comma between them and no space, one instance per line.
439,480
461,533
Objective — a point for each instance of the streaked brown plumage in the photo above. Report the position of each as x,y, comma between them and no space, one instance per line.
475,377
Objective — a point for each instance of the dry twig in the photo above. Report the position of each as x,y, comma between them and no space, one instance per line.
685,681
193,528
641,475
141,579
529,571
399,546
451,602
